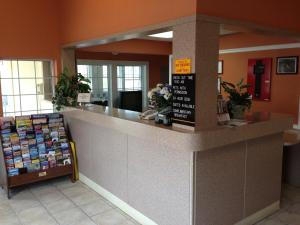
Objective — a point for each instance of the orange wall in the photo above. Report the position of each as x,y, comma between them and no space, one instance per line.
285,90
29,29
284,14
156,62
89,19
137,46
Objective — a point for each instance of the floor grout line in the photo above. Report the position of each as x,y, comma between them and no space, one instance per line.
46,208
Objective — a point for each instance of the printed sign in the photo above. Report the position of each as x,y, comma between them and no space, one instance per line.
183,99
84,97
183,66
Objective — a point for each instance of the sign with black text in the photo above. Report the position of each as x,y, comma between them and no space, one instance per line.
183,99
84,97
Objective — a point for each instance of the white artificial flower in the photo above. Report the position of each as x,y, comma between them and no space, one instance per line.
156,90
150,94
167,96
164,90
159,85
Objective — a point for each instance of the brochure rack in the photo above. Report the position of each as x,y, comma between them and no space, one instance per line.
49,162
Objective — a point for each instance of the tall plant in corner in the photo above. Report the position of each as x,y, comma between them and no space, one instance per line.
67,89
239,98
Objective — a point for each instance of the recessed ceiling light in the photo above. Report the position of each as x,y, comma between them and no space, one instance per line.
168,34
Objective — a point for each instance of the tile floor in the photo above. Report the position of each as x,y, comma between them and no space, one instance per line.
60,202
289,214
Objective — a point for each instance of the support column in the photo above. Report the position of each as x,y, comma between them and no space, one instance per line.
199,41
68,60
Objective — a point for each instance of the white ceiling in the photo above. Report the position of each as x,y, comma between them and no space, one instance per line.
223,32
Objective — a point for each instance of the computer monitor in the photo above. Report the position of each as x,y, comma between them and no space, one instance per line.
131,100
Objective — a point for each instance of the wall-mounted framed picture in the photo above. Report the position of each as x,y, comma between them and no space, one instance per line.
220,66
287,65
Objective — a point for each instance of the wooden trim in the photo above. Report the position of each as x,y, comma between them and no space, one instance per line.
3,173
29,178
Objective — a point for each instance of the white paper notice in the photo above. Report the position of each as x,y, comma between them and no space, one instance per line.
84,97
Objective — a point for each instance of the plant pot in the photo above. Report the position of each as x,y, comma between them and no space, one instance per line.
238,111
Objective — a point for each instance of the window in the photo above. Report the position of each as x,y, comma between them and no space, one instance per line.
129,78
98,75
26,86
110,77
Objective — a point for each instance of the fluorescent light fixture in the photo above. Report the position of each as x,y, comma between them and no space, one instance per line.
168,34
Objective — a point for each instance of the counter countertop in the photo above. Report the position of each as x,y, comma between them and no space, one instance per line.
258,125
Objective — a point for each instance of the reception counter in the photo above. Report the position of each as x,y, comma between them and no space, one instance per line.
170,176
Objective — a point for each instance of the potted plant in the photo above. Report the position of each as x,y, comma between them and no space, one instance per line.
239,98
67,89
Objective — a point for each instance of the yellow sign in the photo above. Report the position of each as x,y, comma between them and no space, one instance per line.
183,66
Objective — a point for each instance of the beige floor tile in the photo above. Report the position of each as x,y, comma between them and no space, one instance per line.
74,191
36,216
294,208
65,183
41,184
23,200
129,222
85,198
50,197
9,219
59,205
61,199
270,222
291,193
39,190
5,208
72,216
95,207
289,218
111,217
124,214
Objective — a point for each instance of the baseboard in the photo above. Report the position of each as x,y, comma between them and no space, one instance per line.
256,217
139,217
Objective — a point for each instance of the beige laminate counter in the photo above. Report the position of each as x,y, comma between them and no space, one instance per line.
168,176
259,124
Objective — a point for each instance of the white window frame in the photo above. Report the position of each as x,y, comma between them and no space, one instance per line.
53,82
112,76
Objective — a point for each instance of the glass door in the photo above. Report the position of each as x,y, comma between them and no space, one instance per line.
99,75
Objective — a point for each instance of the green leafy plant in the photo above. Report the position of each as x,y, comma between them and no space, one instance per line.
67,89
237,94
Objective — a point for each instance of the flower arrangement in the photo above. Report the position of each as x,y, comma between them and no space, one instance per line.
160,97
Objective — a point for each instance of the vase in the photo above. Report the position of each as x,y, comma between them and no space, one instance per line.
238,111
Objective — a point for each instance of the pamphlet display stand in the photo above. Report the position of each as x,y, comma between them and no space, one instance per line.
34,148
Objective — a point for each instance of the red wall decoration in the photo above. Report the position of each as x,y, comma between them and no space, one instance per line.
259,77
